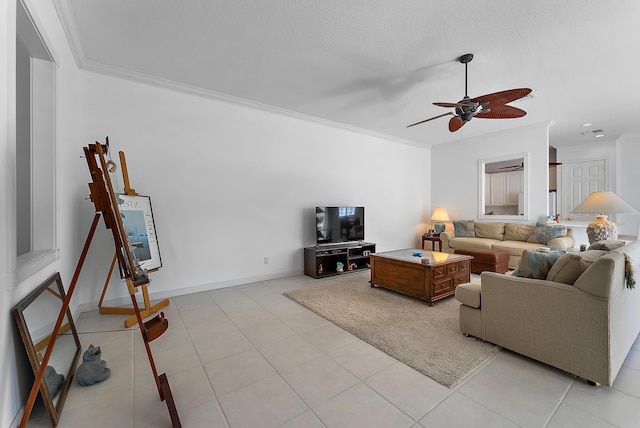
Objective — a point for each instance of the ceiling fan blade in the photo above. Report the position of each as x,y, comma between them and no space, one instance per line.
502,112
431,118
451,105
555,163
456,123
512,166
503,97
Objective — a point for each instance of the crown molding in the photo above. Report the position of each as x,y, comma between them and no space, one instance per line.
121,73
70,25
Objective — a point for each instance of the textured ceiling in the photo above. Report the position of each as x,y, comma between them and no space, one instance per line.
379,65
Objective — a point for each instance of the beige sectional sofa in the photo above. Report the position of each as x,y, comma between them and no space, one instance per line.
583,319
511,237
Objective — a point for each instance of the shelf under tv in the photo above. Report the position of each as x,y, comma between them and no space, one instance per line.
321,260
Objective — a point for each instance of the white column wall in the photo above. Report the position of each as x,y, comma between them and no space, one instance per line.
454,169
628,177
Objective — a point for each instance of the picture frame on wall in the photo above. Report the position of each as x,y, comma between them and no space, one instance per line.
137,218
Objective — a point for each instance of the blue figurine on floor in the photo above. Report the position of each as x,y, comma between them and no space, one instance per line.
93,368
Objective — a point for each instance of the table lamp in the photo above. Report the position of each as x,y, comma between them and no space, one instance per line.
600,203
439,216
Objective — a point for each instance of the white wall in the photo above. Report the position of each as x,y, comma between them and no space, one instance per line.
454,169
7,171
628,177
229,184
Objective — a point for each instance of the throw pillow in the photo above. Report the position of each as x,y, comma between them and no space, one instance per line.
517,232
536,264
568,268
543,233
490,230
608,245
464,229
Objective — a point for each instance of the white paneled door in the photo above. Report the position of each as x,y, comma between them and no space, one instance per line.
579,180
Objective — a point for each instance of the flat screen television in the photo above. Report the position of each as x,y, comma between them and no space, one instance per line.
339,224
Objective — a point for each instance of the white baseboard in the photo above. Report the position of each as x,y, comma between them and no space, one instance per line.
167,294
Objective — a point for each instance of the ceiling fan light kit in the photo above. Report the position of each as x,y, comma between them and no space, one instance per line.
490,106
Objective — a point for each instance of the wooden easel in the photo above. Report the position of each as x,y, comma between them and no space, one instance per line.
105,202
148,308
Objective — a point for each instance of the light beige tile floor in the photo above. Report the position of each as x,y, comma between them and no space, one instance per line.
246,356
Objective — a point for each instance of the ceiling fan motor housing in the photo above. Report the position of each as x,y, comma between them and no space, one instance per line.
466,112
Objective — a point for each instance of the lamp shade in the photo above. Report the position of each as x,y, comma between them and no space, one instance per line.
440,214
604,202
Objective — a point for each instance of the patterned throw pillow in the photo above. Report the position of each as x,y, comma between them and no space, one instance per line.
536,264
543,233
464,229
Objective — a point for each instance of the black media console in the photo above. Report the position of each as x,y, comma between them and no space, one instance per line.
322,260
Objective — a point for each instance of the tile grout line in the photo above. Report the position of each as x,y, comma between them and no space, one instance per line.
560,401
202,364
360,381
309,408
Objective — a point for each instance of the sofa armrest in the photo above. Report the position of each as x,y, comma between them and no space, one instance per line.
562,242
444,239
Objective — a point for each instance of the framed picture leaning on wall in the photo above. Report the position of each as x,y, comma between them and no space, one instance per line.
137,218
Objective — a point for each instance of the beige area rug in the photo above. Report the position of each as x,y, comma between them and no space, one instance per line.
427,338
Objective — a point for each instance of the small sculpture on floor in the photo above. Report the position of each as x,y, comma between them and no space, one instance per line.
53,380
93,368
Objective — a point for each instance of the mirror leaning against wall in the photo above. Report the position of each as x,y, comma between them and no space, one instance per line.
503,187
36,316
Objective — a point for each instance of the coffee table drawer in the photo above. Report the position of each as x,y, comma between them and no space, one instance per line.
438,272
460,279
443,286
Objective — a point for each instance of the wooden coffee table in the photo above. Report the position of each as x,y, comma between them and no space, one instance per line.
431,276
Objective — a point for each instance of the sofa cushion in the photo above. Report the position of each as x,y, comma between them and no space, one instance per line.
517,232
464,229
536,264
543,233
515,248
490,230
568,268
608,245
472,243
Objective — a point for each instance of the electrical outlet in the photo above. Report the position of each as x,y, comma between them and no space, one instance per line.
266,260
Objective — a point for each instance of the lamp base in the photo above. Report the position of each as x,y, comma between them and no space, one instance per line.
439,228
601,229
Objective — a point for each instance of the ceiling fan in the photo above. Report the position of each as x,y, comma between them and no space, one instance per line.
490,106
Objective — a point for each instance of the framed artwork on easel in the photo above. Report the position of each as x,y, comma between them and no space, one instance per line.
137,218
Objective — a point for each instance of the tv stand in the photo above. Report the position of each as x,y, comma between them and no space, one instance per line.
321,260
